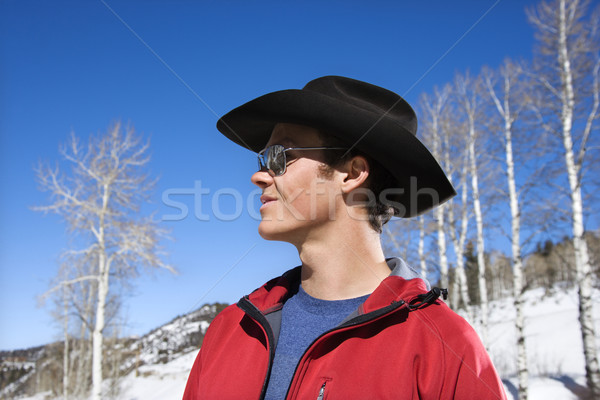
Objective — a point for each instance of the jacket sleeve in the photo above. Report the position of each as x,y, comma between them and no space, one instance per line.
468,370
193,386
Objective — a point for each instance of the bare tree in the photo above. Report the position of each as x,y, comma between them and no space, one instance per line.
70,313
433,109
457,210
458,222
100,197
469,99
503,99
567,64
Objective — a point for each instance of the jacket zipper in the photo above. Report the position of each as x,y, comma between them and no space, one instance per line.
250,309
359,320
322,391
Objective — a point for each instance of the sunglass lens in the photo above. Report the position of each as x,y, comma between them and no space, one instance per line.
275,159
261,163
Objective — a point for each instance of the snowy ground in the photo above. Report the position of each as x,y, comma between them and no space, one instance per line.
554,350
159,382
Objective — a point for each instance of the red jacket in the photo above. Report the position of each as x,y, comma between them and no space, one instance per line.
388,350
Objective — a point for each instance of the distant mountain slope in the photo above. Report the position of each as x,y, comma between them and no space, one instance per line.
180,336
30,371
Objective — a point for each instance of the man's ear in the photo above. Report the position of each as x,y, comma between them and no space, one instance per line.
356,173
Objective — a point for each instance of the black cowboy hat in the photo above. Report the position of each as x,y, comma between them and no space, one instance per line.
369,118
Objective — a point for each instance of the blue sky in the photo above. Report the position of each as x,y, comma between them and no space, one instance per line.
170,69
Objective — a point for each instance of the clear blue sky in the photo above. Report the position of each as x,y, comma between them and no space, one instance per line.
170,69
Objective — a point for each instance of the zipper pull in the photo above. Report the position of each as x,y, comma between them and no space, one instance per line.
322,391
425,299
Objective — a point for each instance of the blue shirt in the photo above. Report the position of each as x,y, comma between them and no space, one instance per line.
304,319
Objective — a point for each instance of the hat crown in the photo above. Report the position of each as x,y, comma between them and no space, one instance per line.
367,97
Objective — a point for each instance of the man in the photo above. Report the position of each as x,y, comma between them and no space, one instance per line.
338,159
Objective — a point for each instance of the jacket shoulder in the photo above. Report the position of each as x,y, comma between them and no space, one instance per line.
229,315
467,365
453,334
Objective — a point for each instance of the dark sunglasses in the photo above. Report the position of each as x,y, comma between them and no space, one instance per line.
273,159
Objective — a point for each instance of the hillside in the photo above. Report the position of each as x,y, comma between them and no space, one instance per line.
29,371
554,349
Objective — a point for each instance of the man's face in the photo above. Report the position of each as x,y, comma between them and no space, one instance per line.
301,201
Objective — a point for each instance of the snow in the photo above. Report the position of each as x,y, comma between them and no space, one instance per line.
554,344
158,382
555,355
39,396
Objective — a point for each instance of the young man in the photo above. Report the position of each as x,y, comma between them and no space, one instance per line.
337,159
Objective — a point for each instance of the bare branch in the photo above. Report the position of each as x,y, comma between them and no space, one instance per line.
593,115
67,283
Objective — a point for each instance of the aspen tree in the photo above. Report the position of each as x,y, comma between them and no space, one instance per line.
99,196
502,95
567,65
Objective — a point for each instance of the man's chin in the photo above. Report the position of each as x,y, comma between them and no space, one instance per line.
268,234
268,230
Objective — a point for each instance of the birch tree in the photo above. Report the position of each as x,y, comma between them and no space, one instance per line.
458,222
433,109
567,66
457,209
99,196
503,100
469,100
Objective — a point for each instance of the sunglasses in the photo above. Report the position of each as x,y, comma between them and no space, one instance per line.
273,159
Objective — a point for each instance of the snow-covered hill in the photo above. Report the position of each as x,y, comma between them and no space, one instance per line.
30,370
554,351
180,336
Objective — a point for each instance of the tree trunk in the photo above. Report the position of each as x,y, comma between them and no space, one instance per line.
66,345
439,216
517,259
483,298
97,337
458,241
103,276
582,260
81,363
441,240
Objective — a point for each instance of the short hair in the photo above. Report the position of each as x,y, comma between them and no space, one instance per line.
379,179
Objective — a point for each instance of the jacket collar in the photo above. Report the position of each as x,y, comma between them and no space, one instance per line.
403,284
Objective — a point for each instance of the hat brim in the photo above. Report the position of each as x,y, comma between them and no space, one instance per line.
422,183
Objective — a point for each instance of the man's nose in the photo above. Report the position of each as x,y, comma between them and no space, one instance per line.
262,179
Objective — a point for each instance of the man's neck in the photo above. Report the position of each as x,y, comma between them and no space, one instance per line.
344,263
